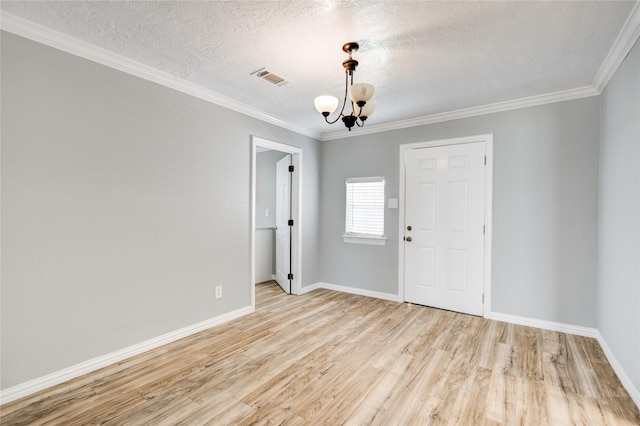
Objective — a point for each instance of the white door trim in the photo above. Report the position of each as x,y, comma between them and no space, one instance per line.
488,141
296,192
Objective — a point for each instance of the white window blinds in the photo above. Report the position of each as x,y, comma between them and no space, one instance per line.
365,207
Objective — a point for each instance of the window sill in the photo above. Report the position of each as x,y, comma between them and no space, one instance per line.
374,241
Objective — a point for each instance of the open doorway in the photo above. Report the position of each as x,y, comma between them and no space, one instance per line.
276,182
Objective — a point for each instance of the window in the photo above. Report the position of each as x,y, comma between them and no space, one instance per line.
364,219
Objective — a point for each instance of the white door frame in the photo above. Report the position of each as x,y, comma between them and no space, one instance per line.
296,193
488,197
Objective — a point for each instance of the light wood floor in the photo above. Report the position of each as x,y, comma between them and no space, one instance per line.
334,358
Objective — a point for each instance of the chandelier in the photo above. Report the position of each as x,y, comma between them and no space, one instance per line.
359,93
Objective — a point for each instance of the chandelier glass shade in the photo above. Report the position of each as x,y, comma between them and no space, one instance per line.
359,95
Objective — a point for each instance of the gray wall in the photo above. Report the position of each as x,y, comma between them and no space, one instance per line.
619,217
266,187
124,203
544,208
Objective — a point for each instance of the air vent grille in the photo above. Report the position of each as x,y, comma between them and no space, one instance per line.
263,74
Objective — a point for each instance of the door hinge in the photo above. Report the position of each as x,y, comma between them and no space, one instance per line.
290,222
483,298
485,160
290,277
291,169
484,229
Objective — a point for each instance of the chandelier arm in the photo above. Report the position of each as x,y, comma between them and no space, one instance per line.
344,101
354,105
350,101
332,122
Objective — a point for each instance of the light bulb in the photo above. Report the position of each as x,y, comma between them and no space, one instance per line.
361,92
326,104
367,110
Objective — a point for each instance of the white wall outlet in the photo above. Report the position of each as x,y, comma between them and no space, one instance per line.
218,291
266,212
393,203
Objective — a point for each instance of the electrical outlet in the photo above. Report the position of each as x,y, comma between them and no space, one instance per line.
218,291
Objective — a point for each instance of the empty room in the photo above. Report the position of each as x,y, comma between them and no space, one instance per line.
320,212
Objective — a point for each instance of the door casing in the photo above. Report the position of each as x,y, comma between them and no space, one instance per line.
296,193
488,140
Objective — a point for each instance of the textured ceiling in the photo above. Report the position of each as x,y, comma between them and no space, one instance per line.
423,57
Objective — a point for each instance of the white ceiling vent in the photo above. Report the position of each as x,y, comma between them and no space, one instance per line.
270,77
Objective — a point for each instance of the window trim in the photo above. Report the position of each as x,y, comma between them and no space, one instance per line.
360,238
368,240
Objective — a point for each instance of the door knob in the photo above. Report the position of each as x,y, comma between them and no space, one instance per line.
409,228
409,239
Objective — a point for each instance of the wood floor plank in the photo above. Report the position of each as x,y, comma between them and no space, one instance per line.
213,408
489,338
467,410
334,358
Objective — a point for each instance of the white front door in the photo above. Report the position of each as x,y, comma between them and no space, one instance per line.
444,227
283,231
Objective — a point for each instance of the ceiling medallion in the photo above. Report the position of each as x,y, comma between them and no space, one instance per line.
359,93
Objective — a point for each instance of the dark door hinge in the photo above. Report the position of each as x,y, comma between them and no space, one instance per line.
291,169
289,276
290,222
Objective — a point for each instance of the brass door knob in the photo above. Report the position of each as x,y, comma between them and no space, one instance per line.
409,239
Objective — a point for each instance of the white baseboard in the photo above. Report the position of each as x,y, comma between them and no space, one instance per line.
543,324
358,291
55,378
622,375
309,288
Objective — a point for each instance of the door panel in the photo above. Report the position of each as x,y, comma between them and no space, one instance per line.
444,206
283,214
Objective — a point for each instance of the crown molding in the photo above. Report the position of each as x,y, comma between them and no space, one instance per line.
565,95
60,41
621,47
